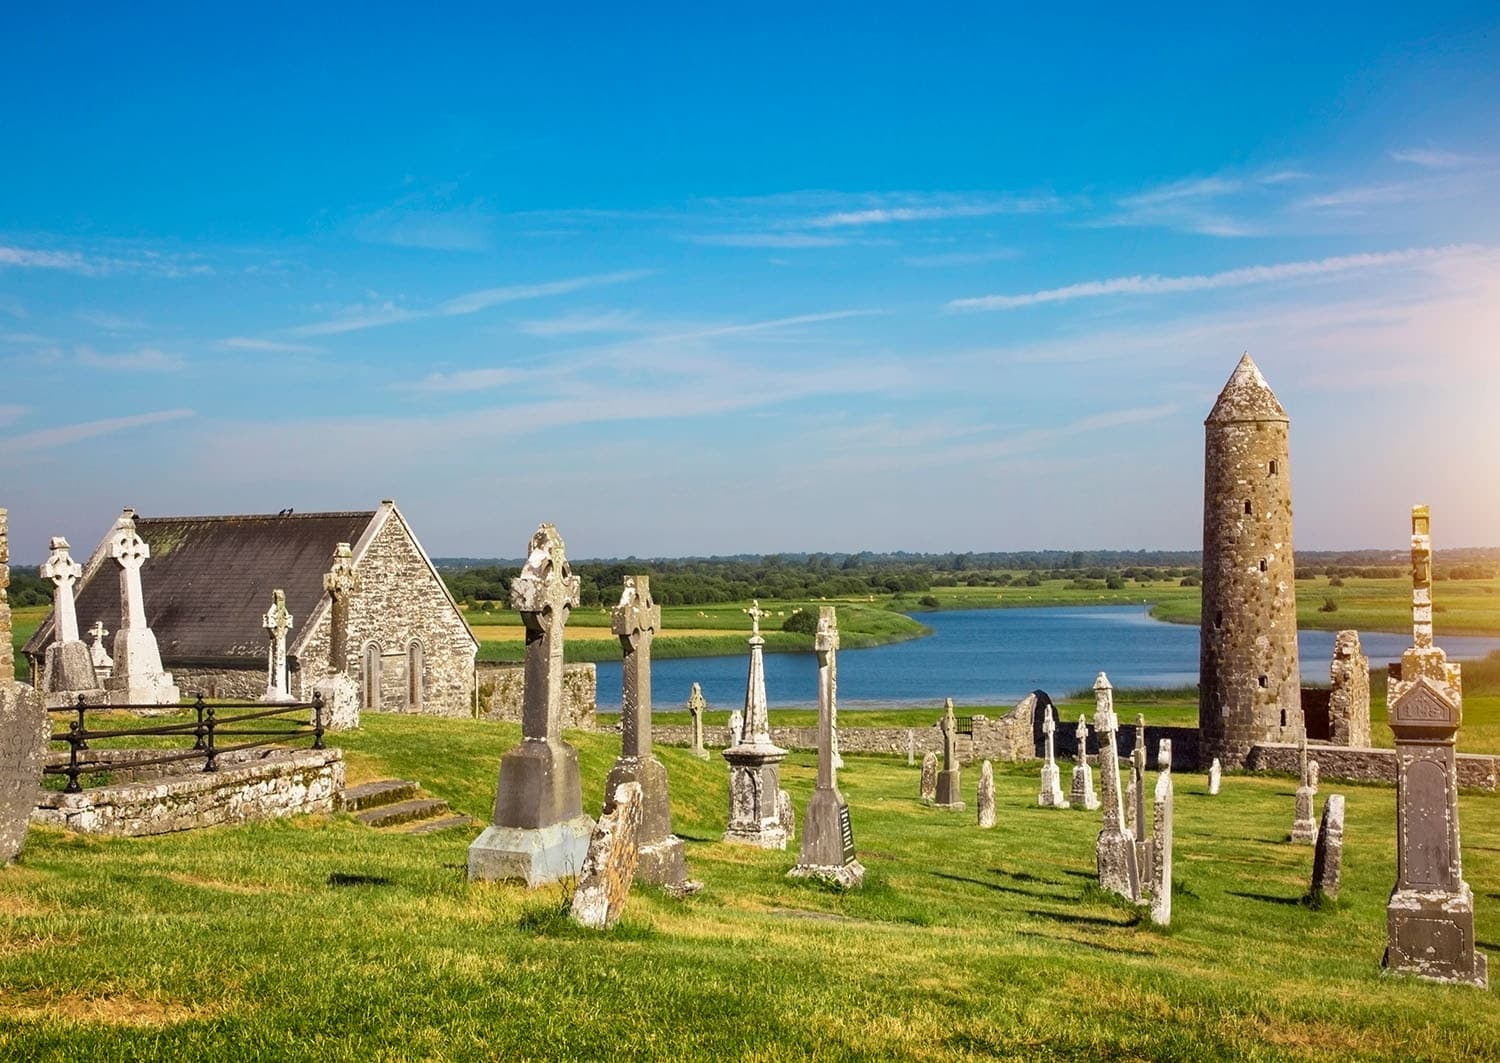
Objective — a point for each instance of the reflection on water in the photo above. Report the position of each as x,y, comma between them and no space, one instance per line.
996,657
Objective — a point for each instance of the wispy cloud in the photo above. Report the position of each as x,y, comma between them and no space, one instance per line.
1155,284
580,323
887,215
390,313
1432,159
251,343
103,319
145,360
962,258
100,265
75,433
788,241
469,228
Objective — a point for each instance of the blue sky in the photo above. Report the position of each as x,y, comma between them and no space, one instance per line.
688,281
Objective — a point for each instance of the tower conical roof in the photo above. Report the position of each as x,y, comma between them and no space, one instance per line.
1246,397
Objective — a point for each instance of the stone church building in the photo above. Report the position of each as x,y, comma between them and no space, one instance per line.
209,580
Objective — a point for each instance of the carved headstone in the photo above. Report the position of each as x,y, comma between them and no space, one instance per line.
696,706
1138,802
609,866
277,623
138,678
755,761
540,833
949,787
736,730
104,664
69,664
911,747
634,622
1050,795
928,786
1115,847
1304,829
827,849
1430,915
1161,848
24,729
1349,699
986,796
1328,857
341,700
1215,775
786,812
1081,795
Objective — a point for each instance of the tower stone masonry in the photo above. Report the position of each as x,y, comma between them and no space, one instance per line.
1249,686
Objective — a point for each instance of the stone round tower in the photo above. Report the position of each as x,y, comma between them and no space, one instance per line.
1249,687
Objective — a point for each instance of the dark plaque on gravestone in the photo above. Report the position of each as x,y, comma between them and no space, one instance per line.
846,833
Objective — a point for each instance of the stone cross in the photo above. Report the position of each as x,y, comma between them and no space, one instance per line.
544,594
277,623
949,726
342,583
1050,795
1140,730
7,660
949,780
1164,755
103,663
1115,849
634,621
130,552
696,706
1081,794
826,645
985,796
138,677
756,614
1302,760
64,573
757,725
1081,733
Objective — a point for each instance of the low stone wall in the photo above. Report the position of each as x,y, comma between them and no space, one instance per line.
234,684
888,740
1476,771
261,784
501,687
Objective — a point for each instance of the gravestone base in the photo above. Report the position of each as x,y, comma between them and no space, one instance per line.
1304,828
661,861
827,851
1118,871
1051,795
1083,795
340,702
536,856
1431,934
754,789
70,671
138,678
949,791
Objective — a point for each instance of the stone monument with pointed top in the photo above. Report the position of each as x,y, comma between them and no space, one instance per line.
949,785
540,833
1115,846
1430,915
827,849
69,669
634,622
755,761
138,678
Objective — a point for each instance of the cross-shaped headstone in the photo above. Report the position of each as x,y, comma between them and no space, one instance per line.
696,705
634,621
544,594
99,631
950,733
342,583
130,551
277,623
1083,738
826,645
756,614
64,572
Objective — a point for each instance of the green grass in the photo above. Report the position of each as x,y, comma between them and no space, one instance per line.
319,938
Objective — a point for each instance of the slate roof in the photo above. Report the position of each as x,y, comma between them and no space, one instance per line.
1246,397
208,581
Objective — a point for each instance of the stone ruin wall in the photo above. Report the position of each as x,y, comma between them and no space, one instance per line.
239,684
501,687
1476,771
1249,625
287,783
1349,697
399,600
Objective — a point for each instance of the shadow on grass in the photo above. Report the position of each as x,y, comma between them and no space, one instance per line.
996,886
1097,945
695,838
1081,920
340,878
1293,901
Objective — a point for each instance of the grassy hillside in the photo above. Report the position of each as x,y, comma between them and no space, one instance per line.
322,939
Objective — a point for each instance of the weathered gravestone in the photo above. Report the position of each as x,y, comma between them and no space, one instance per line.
610,864
1328,857
540,833
1161,839
69,669
1304,829
755,761
786,814
24,729
340,692
104,664
696,706
827,849
1081,795
735,733
634,621
1115,847
985,798
1215,775
139,678
1430,915
949,786
928,785
277,622
1349,698
1139,821
911,747
1050,795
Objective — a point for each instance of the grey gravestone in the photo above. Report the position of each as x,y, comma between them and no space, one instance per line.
1304,829
1050,795
1082,794
736,731
340,692
634,621
69,669
1430,915
696,706
1161,842
985,798
540,833
755,761
1328,858
610,864
786,813
949,786
1349,697
911,747
1138,793
24,730
928,791
1215,775
1115,847
827,850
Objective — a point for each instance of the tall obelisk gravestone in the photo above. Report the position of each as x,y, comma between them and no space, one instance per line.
827,850
755,761
635,621
1430,916
540,833
24,729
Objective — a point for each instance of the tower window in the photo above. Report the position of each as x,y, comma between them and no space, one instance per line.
1247,507
1283,717
1218,620
1262,564
1275,467
1264,682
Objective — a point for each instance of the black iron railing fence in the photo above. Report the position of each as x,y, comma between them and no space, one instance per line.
211,723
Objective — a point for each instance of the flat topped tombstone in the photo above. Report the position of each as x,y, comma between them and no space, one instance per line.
138,678
540,833
696,706
1050,795
1430,915
69,664
949,782
827,847
754,760
928,786
985,797
277,622
1115,847
634,622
